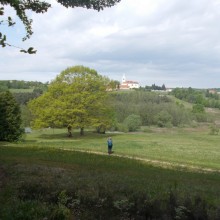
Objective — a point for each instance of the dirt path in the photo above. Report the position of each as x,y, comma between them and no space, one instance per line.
157,163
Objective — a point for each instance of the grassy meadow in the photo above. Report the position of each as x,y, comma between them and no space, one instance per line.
155,174
178,146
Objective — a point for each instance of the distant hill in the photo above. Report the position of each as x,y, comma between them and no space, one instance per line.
14,85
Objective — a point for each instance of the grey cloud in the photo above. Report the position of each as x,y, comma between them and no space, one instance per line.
173,42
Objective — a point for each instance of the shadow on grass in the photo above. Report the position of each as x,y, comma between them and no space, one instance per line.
75,136
4,143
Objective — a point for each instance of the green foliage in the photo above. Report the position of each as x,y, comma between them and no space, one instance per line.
113,85
133,122
121,127
148,106
199,113
25,116
198,108
20,8
164,119
21,84
89,4
195,96
61,212
10,118
201,117
155,87
23,98
77,97
214,129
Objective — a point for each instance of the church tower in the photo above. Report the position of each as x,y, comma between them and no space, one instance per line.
123,78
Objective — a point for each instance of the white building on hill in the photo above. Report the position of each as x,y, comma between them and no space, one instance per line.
128,84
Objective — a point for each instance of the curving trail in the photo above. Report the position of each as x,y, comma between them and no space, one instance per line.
157,163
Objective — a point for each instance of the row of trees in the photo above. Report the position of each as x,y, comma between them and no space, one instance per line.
195,96
21,84
24,97
151,108
78,98
155,87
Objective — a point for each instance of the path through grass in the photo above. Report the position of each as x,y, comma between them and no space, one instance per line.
180,147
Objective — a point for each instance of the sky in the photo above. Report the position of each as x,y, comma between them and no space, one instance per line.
171,42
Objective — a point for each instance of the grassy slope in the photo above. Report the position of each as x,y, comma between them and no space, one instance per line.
192,147
87,172
34,173
177,146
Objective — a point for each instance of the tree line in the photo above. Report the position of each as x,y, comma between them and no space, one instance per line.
80,98
155,87
21,84
195,96
151,109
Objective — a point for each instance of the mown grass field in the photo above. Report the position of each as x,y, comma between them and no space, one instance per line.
48,162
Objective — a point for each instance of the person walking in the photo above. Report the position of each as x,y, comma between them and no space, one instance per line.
110,145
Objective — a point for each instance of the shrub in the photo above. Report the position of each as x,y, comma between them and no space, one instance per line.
198,108
214,130
133,122
164,119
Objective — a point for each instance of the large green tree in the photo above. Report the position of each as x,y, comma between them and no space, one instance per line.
37,6
77,98
10,118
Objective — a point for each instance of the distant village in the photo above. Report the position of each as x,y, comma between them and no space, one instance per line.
130,84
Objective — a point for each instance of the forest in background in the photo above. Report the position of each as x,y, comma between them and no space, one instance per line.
135,108
33,191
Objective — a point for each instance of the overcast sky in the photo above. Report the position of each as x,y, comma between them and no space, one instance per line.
171,42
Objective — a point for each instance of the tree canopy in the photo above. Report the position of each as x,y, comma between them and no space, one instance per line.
37,6
10,118
77,98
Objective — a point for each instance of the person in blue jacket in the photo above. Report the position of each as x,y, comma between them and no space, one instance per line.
110,145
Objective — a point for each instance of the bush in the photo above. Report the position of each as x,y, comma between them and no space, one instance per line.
214,130
201,117
133,122
164,119
198,108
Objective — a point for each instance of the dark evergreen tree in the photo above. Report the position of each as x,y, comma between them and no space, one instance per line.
10,118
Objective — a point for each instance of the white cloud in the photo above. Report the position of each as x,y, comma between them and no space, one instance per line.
153,41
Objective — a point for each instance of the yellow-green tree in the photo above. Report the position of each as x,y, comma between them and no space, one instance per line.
77,98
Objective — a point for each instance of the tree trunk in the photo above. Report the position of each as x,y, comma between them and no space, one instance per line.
69,128
81,131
